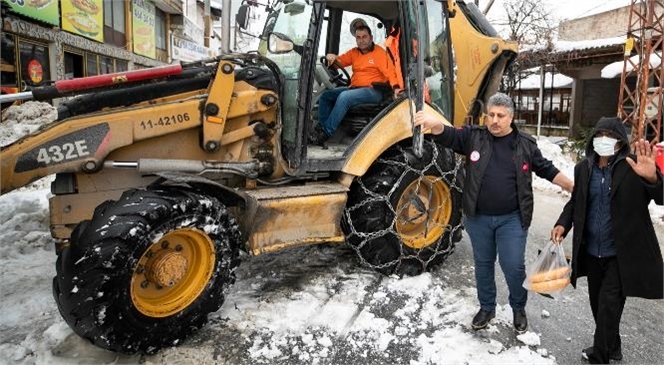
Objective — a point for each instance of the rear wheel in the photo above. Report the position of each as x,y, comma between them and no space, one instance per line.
404,214
146,270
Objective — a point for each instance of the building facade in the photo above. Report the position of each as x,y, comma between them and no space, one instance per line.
49,40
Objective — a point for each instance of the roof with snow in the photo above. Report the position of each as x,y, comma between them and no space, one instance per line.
533,81
615,69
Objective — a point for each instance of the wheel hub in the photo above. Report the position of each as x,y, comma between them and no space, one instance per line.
166,268
423,212
173,272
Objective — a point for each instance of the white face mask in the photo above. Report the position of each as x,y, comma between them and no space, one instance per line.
604,146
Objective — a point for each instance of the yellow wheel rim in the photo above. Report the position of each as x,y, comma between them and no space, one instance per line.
423,212
172,272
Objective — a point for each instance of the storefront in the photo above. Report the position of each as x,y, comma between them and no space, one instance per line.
41,45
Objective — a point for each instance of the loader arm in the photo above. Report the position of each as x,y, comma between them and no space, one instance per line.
80,144
481,58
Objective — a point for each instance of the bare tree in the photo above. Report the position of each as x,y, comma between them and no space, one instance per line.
532,26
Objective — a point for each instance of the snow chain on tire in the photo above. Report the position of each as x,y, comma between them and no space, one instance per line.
404,215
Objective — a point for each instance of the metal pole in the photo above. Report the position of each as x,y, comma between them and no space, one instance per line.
208,24
541,101
226,27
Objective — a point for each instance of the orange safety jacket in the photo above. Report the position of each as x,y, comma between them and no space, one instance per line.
373,66
392,46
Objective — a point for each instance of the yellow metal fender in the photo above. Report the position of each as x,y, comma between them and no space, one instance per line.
394,127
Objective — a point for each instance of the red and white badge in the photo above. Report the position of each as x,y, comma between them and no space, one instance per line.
474,156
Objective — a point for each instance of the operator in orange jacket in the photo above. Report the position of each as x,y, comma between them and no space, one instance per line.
370,63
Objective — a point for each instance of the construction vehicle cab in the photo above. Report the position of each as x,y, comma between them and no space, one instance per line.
164,175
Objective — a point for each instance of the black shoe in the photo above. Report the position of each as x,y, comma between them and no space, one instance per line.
520,320
613,355
318,136
482,318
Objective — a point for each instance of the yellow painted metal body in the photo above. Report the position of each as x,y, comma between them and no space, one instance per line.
474,53
394,127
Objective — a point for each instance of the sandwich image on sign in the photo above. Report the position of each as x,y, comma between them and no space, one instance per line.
86,6
39,3
83,23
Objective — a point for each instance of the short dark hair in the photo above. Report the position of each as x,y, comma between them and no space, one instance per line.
362,27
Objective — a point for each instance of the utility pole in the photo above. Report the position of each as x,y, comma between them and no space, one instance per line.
640,102
208,24
226,27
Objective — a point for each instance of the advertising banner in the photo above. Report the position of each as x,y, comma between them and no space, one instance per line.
143,20
84,17
188,51
43,10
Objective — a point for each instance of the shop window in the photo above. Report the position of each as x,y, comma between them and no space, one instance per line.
34,63
121,65
92,69
114,23
73,65
105,65
8,64
160,29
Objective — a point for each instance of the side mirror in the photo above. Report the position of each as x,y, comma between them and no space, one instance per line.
279,43
242,16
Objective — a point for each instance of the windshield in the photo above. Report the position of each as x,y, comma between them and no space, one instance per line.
292,21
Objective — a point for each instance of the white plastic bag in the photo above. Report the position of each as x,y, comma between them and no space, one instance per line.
550,273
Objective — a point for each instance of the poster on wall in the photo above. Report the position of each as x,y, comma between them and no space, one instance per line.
43,10
143,20
84,17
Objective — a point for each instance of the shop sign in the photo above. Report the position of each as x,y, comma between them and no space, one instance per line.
35,71
84,17
143,21
192,30
188,51
43,10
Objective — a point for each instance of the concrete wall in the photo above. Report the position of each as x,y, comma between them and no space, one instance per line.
610,24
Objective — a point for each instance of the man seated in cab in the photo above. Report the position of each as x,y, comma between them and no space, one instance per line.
370,64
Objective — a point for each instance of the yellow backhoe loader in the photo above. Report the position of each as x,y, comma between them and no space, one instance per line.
162,176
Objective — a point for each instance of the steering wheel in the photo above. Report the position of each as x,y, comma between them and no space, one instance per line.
338,78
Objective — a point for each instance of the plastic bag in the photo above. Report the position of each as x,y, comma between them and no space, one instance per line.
550,273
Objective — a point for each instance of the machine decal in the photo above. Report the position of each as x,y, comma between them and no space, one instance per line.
165,121
70,147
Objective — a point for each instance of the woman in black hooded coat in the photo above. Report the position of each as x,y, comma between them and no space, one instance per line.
614,241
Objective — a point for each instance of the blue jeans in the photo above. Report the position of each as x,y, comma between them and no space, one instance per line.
502,235
333,104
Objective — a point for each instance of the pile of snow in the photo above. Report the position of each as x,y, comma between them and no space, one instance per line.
562,161
21,120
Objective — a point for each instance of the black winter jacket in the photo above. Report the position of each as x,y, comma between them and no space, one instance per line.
638,254
476,144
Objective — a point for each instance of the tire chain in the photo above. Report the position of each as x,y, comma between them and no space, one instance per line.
451,179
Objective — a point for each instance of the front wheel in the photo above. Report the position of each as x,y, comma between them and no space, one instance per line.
404,214
146,271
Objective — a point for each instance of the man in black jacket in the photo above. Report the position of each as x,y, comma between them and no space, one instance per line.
497,199
614,242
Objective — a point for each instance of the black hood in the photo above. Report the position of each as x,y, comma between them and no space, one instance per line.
616,128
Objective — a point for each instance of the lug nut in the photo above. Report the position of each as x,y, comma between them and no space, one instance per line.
164,244
144,284
178,248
